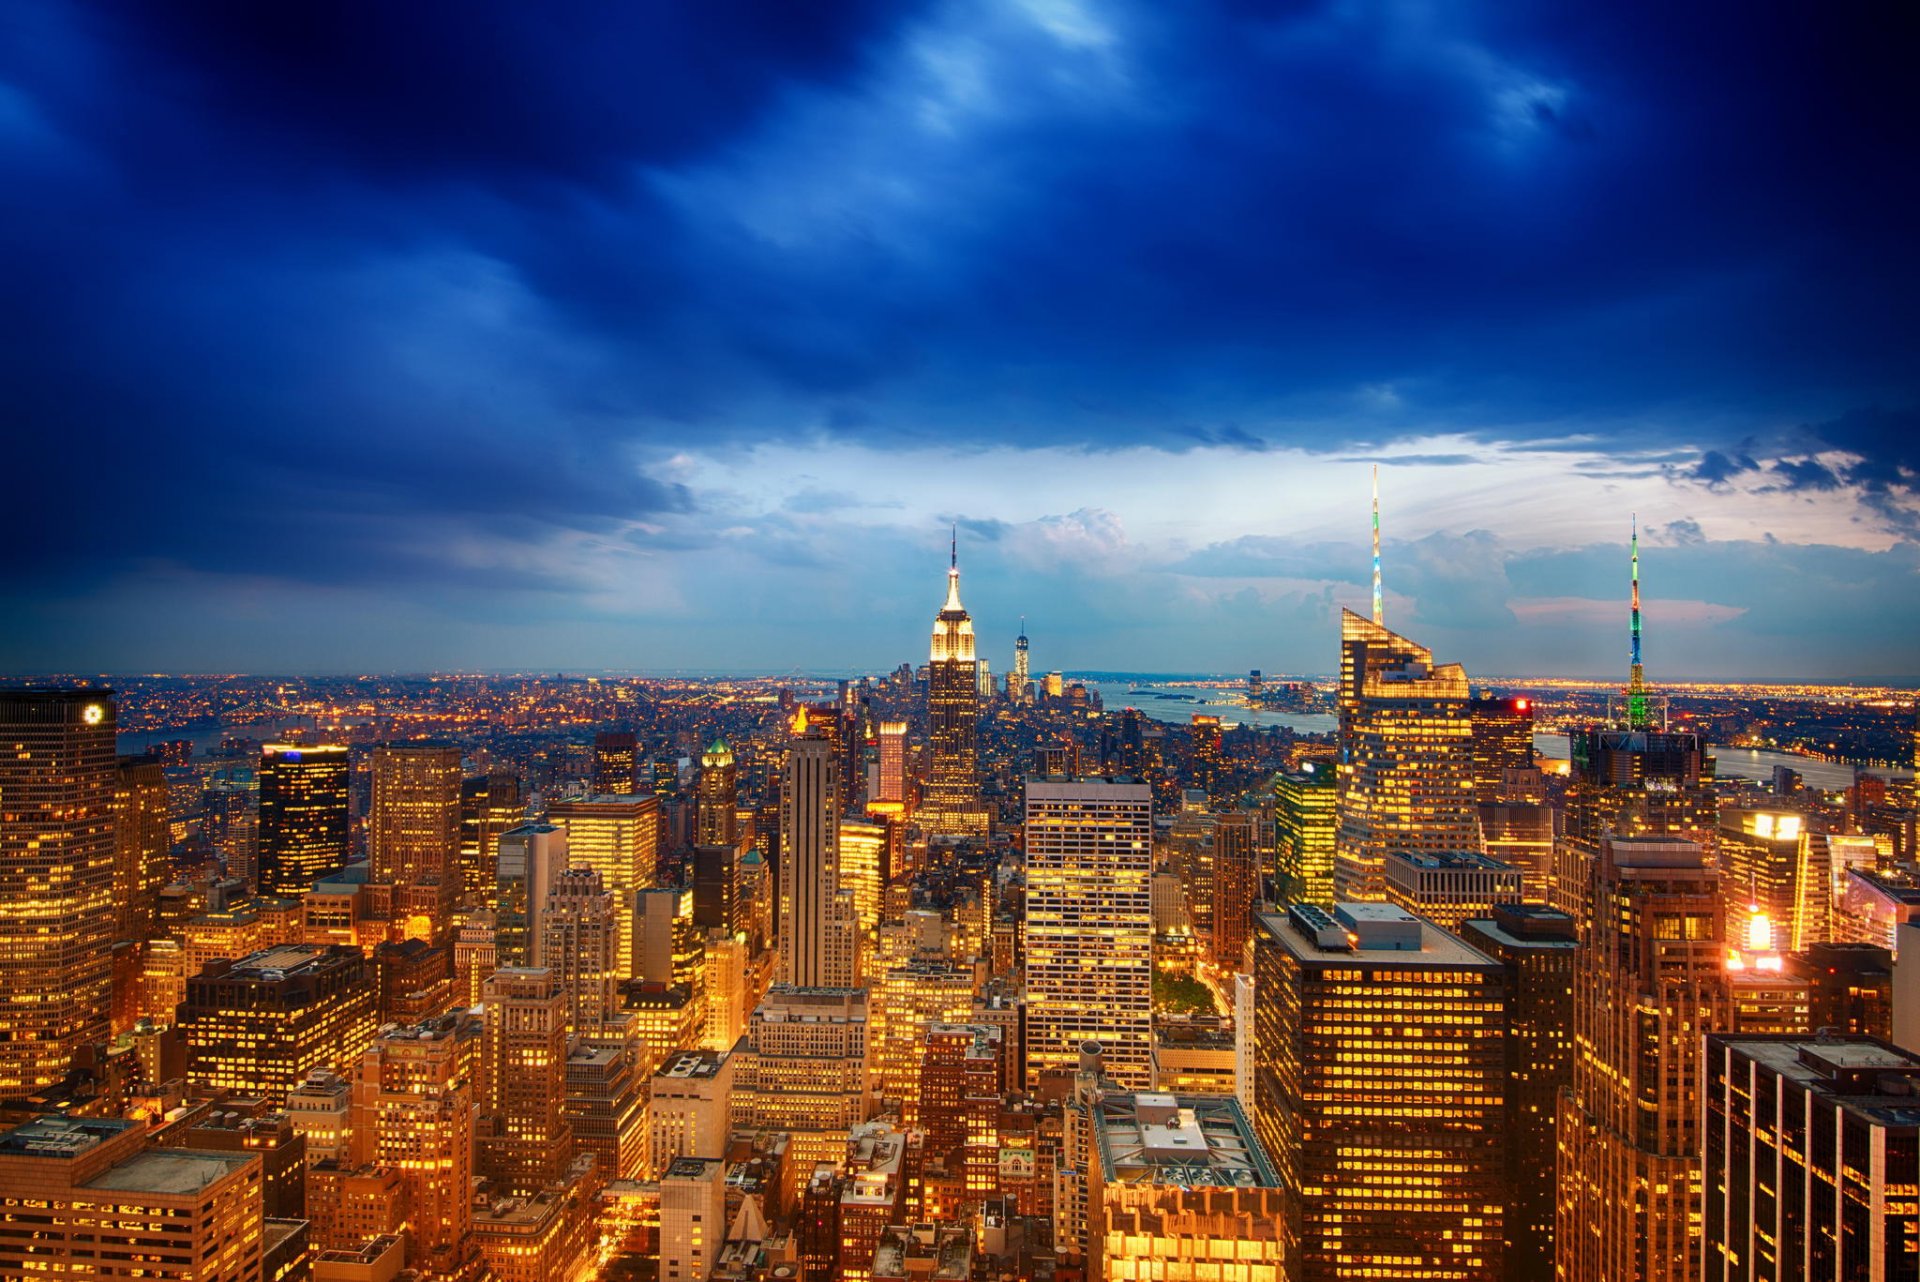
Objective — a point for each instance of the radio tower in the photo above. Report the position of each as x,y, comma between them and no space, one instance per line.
1639,710
1379,609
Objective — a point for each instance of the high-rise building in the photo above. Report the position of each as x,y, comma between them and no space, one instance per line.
805,1064
1766,871
1406,756
532,857
1535,944
303,815
619,838
908,999
1850,987
413,1111
1020,680
951,804
693,1217
615,758
56,881
607,1101
669,947
1379,1092
1811,1145
142,839
1448,887
579,943
1649,982
1089,925
490,804
259,1025
864,872
87,1198
1503,766
413,834
1236,888
1305,822
526,1141
689,1110
1208,762
1181,1188
889,790
716,820
817,933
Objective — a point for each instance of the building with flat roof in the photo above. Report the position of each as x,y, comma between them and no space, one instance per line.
259,1025
689,1113
693,1217
1448,886
935,1252
1811,1146
1179,1183
1379,1092
90,1195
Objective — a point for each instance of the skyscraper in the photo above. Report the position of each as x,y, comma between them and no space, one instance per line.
619,838
1503,766
56,880
413,1110
889,792
816,930
490,804
142,838
303,816
1020,680
1406,756
615,757
1649,982
1236,888
578,942
1379,1089
526,1142
532,857
260,1024
1304,826
952,805
1090,925
716,821
413,833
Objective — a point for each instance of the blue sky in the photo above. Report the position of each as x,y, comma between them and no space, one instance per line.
480,335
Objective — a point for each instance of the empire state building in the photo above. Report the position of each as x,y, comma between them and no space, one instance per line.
952,804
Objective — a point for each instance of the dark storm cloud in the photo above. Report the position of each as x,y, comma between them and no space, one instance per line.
361,292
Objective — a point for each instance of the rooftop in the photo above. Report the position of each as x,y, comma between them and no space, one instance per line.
1467,860
1192,1141
61,1136
692,1065
1349,934
170,1170
943,1252
1862,1075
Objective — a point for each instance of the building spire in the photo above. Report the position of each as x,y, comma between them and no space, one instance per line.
953,548
1639,711
1379,606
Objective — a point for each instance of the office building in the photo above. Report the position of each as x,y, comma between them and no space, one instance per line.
86,1198
1179,1187
526,1140
57,912
862,852
888,792
142,840
413,834
716,815
669,946
690,1107
693,1217
579,943
1649,983
1236,888
1380,1093
907,1000
1305,821
1765,870
532,857
1447,887
490,805
619,838
1503,768
1535,946
537,1237
606,1101
615,760
1523,833
950,804
303,816
805,1064
1810,1149
260,1024
1850,987
817,931
413,1111
1089,925
1406,756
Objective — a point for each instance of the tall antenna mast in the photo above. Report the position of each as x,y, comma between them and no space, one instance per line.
1639,714
1379,607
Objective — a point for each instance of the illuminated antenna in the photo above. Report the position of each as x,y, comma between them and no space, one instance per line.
953,549
1639,711
1379,607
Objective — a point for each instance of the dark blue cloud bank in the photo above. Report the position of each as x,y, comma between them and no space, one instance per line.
499,335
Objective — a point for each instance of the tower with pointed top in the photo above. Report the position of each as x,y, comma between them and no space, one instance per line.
953,806
1019,682
1640,710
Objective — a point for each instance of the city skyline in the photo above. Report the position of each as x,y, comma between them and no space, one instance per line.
614,366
